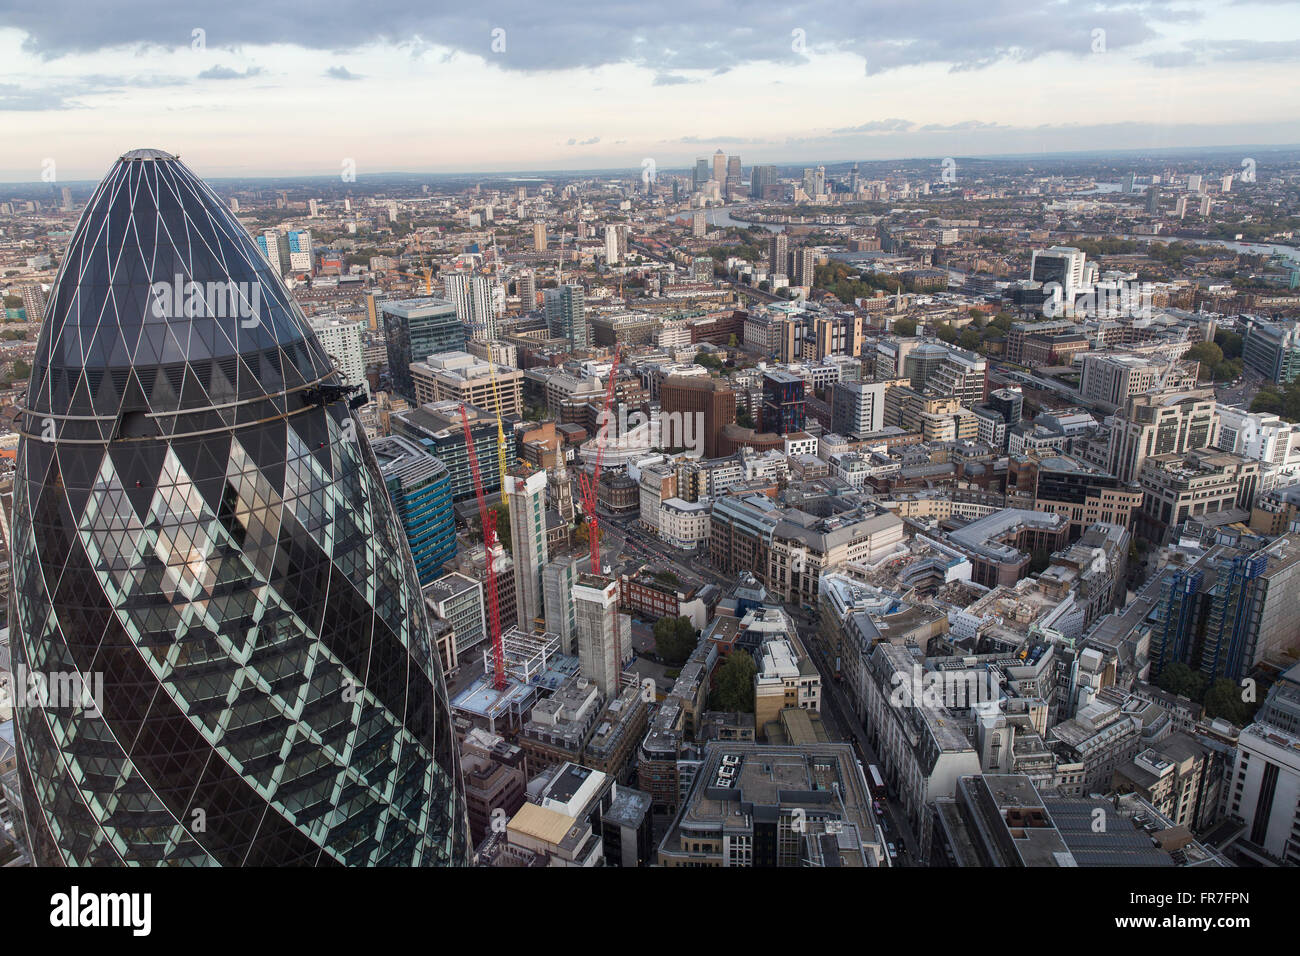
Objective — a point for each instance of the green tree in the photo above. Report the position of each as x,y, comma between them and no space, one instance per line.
21,369
1227,370
735,683
1002,321
1180,679
905,327
1267,400
1223,699
970,339
1208,354
708,360
675,639
503,525
1230,342
946,333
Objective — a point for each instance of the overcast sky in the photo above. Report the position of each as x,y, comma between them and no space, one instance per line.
250,87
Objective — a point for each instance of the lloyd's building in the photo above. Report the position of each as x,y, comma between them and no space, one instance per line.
201,536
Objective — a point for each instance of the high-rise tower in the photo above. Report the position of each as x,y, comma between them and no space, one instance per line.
566,316
201,538
526,494
596,620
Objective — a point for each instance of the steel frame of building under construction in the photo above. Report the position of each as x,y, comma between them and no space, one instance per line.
527,655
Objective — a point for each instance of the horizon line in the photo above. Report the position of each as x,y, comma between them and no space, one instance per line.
1152,151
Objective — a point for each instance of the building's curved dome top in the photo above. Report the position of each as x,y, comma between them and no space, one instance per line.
164,302
147,154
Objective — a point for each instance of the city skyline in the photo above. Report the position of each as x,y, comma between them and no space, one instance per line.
509,90
620,436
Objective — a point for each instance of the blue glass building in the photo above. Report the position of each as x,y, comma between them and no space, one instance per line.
414,329
420,488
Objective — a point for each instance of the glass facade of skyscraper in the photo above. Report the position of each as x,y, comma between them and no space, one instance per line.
205,560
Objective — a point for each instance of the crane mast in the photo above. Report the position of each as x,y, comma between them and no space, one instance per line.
488,519
589,483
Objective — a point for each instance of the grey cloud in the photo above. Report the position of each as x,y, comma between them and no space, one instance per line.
14,98
1228,51
668,38
718,140
341,73
671,79
877,126
962,127
227,73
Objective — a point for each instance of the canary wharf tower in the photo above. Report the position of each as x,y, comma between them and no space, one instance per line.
203,546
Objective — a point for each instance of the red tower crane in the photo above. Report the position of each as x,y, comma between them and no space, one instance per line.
489,521
588,483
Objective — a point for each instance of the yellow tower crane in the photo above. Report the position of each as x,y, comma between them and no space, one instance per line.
501,431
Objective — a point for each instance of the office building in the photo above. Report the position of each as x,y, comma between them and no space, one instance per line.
806,805
558,578
1264,792
341,339
1160,423
719,166
495,782
699,405
414,329
1011,820
419,486
1178,486
783,402
1112,379
857,408
472,295
1080,493
439,428
598,631
458,599
526,498
1063,265
463,378
566,316
701,174
762,178
1272,349
197,536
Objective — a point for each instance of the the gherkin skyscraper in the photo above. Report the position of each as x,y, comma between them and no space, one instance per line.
219,642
